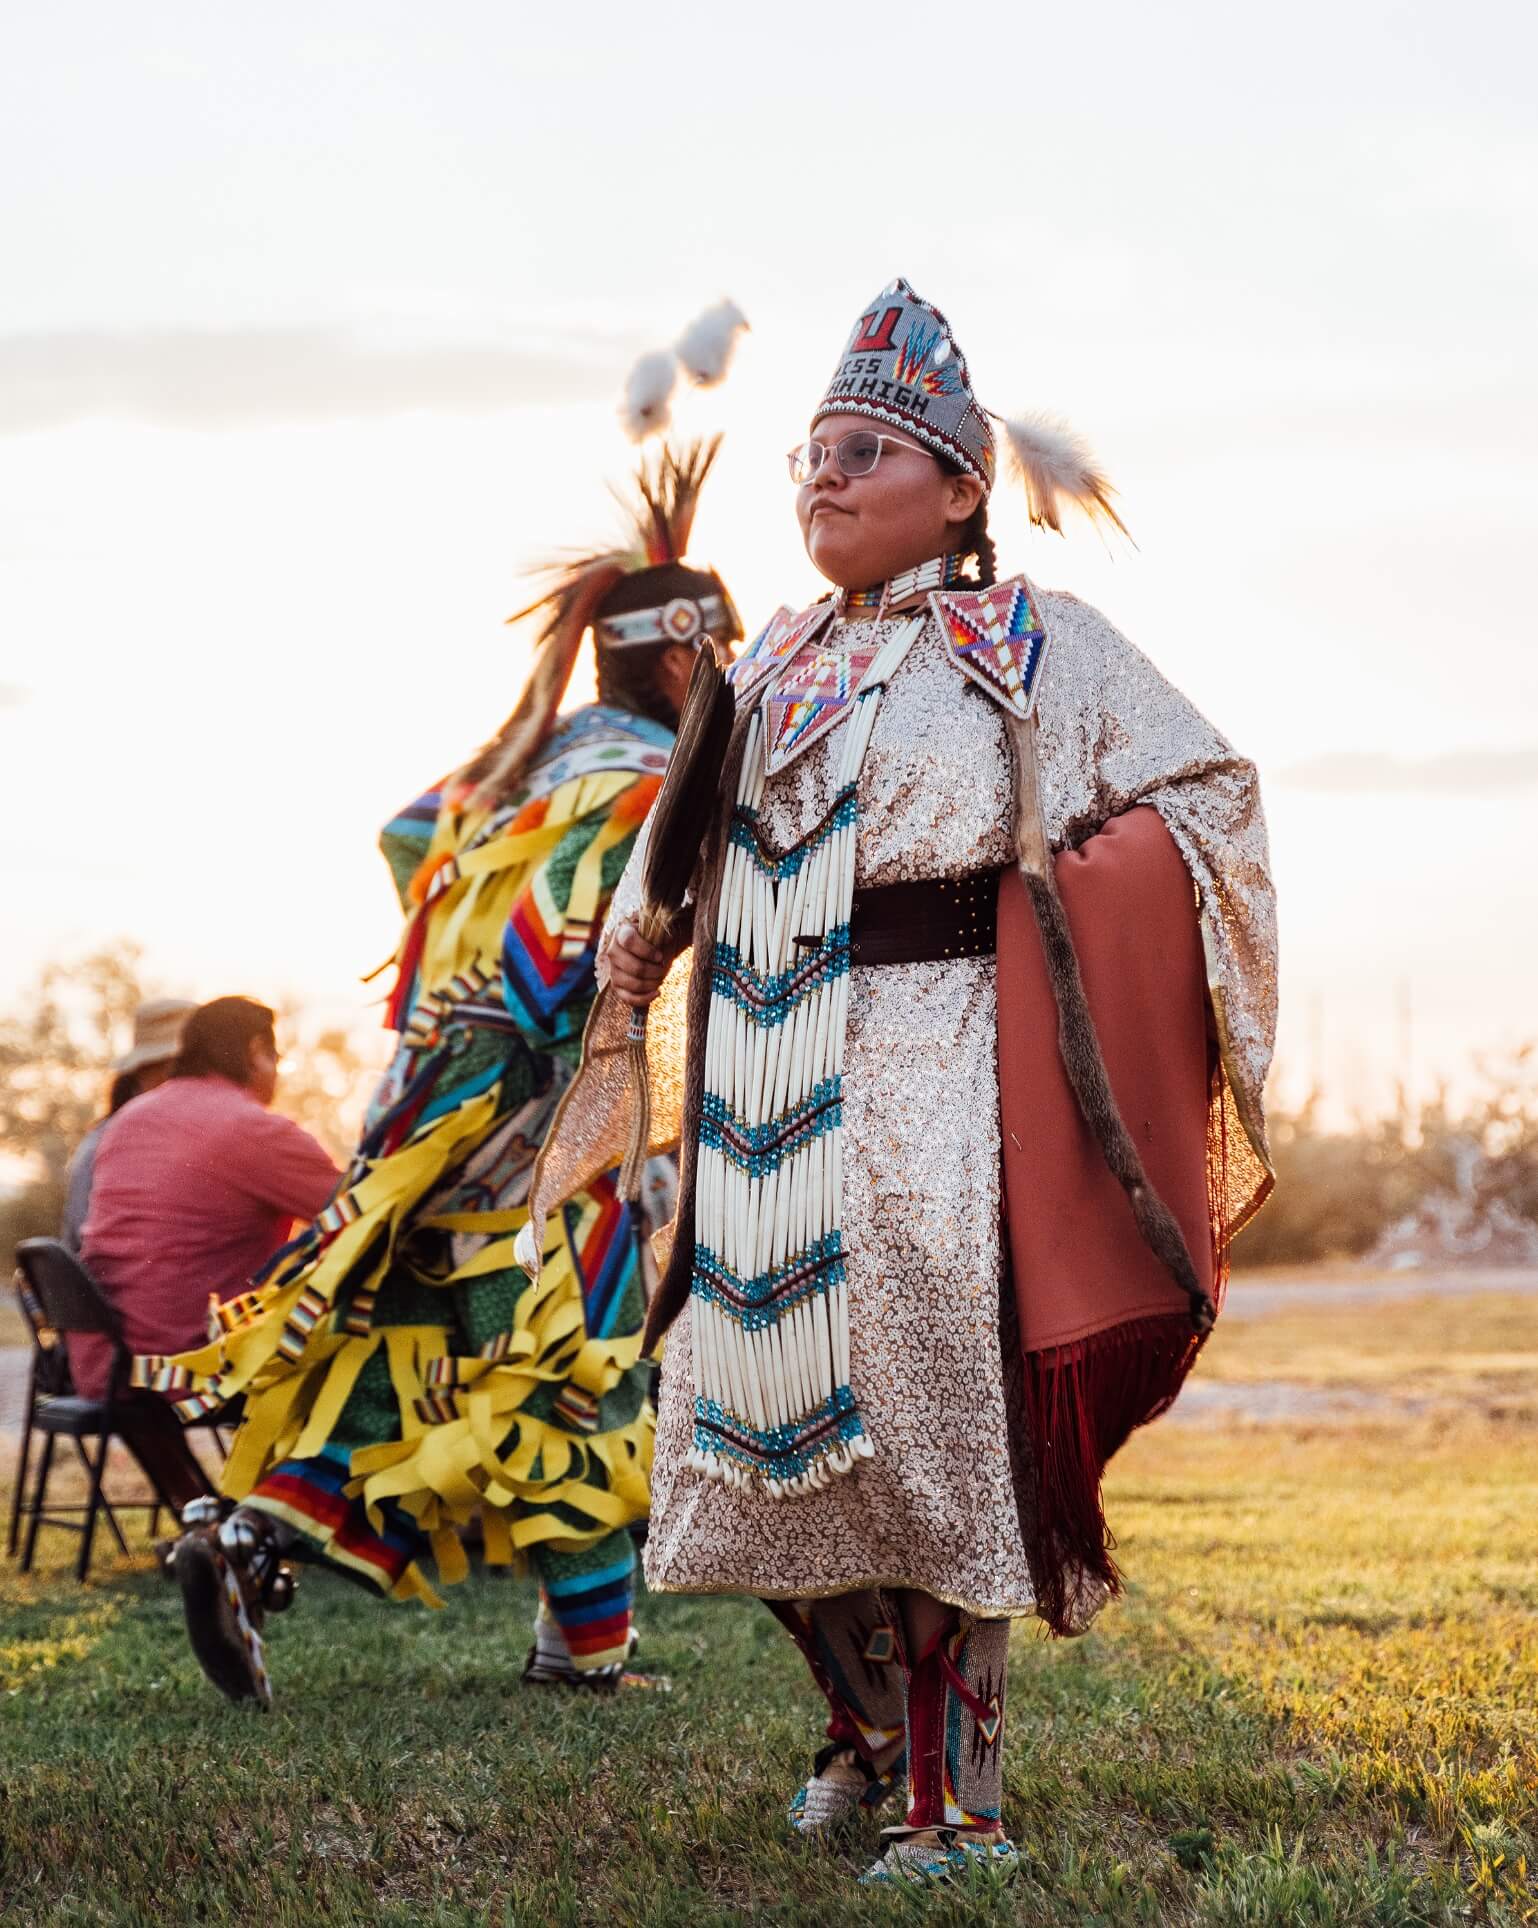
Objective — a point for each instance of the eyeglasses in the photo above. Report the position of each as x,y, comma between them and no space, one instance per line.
857,454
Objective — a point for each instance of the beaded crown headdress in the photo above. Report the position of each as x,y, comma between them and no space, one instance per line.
902,365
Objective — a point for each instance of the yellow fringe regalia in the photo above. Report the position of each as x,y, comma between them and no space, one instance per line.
400,1374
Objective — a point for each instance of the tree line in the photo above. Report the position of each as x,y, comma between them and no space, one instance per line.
57,1045
1340,1188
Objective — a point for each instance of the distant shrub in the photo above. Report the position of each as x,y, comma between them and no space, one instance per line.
1340,1191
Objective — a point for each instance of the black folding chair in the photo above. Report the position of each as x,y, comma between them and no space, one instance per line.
47,1378
68,1300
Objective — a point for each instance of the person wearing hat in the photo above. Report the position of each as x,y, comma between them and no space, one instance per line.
402,1378
147,1062
981,1007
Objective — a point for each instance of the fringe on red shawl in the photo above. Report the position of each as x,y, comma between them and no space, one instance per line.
1083,1402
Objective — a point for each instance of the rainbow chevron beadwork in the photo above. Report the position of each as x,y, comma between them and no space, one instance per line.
995,636
776,643
809,700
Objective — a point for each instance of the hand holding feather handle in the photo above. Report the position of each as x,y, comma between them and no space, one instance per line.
638,965
680,818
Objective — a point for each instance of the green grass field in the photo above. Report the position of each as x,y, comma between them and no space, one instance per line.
1315,1705
1477,1355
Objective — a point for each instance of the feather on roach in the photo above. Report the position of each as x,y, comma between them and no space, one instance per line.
658,521
682,814
667,495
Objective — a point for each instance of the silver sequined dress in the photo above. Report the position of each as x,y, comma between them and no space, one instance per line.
921,1210
936,1507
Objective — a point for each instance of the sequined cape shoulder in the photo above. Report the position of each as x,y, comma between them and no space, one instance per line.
1114,732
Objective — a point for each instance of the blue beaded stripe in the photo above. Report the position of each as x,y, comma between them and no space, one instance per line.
764,1137
769,998
760,1150
764,1299
781,1452
764,1164
789,862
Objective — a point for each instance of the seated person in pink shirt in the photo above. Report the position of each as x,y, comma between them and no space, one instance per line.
195,1187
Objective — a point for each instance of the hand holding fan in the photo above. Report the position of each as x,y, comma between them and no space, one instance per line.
680,817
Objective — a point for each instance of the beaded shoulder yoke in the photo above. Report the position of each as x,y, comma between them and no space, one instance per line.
996,636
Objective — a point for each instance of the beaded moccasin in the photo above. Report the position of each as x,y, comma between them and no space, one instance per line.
231,1577
842,1785
941,1855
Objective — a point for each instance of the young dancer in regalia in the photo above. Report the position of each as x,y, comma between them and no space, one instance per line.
980,1013
401,1376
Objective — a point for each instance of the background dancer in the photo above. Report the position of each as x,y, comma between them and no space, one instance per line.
401,1375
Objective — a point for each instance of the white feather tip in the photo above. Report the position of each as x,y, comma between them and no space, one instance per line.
647,405
706,346
1056,467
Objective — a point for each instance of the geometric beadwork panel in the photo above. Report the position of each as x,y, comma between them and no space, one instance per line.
996,637
810,699
773,648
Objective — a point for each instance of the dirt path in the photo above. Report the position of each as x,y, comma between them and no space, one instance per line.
1253,1297
1207,1401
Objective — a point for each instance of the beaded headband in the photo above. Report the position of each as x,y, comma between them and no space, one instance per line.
679,620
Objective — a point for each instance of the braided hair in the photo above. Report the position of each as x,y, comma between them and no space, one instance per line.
975,539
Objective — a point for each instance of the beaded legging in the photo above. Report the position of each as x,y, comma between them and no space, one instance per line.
939,1711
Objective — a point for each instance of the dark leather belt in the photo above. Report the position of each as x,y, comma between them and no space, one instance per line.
916,923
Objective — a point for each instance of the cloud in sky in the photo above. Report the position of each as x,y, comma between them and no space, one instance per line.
243,377
1455,773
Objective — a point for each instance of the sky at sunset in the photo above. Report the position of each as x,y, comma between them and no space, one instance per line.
314,319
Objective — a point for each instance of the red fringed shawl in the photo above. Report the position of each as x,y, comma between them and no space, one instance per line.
1106,1333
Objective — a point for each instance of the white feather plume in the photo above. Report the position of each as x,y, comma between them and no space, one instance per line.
706,346
647,405
1056,466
